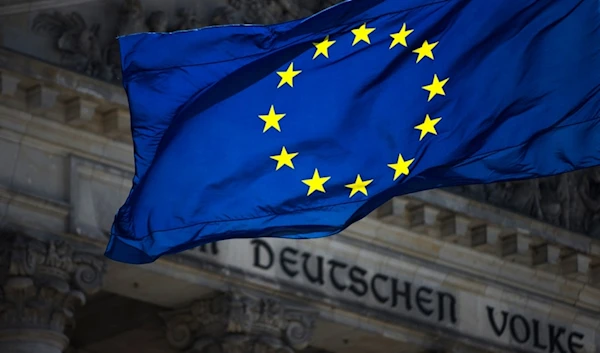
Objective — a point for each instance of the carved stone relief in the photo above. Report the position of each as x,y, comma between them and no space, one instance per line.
41,284
77,42
82,50
232,322
570,200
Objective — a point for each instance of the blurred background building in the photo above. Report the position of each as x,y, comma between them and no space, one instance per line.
512,267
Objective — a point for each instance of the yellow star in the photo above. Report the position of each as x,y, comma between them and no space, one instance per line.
426,50
315,183
284,158
436,87
288,75
400,37
272,120
359,185
362,34
428,126
401,166
323,47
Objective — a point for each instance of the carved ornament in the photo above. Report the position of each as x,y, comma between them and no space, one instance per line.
41,284
236,323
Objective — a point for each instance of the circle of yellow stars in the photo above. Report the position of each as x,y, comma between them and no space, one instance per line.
401,166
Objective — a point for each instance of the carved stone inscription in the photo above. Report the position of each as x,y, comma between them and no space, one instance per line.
342,276
543,337
358,282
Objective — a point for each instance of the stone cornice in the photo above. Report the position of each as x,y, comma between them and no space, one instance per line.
42,94
505,236
562,282
26,68
509,219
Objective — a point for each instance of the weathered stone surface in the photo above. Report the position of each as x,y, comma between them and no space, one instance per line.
79,111
237,323
41,284
41,97
96,192
117,123
8,84
569,200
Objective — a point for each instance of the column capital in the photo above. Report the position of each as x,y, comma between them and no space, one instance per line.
236,322
41,284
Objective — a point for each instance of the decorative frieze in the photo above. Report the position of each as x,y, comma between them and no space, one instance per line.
234,322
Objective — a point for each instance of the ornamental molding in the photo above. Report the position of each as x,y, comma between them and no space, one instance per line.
235,322
42,283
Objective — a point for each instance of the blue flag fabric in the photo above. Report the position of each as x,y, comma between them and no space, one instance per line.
299,129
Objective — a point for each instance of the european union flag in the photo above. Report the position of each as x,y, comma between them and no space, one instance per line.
299,129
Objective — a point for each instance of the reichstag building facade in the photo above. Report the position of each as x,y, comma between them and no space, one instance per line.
511,267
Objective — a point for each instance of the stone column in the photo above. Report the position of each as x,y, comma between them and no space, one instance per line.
41,284
237,323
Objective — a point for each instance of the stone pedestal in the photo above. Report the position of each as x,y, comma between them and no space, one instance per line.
236,323
41,284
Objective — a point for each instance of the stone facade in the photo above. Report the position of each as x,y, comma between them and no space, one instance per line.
511,267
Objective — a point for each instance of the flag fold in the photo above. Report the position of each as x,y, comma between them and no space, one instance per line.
299,129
